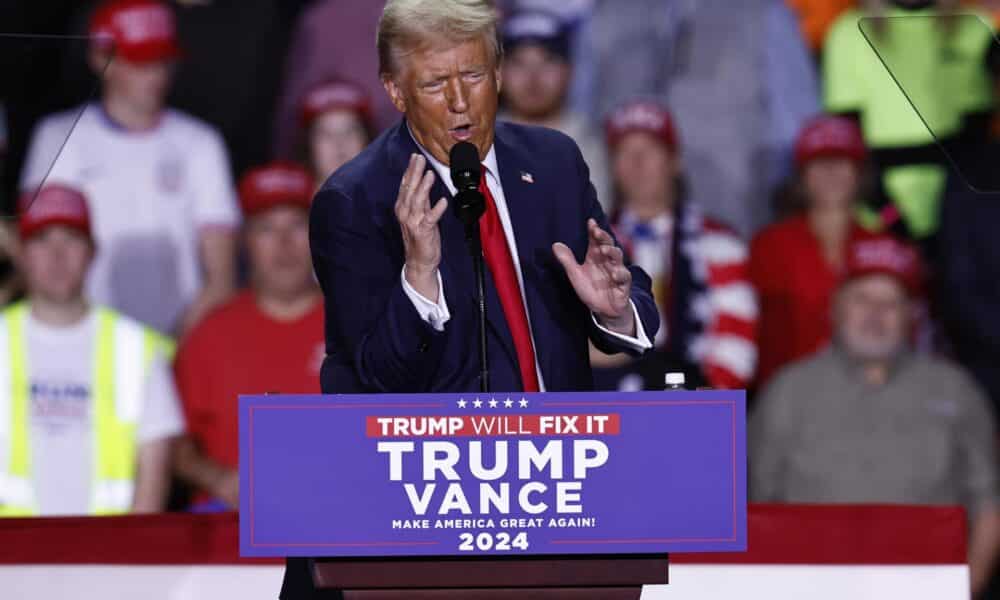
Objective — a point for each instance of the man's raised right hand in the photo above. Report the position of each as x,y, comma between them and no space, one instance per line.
418,222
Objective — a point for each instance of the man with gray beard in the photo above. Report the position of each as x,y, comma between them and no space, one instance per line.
868,421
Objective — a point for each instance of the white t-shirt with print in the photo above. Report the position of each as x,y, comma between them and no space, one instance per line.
60,412
150,193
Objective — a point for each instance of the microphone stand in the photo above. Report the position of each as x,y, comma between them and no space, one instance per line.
476,249
470,206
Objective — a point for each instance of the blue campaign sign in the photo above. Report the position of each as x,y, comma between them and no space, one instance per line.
467,474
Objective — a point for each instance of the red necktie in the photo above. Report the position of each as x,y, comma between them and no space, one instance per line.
501,265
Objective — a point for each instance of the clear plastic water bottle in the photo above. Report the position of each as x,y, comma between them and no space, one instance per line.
674,381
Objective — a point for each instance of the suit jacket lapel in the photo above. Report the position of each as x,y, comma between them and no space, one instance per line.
523,204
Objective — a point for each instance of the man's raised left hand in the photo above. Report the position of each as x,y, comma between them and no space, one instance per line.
602,282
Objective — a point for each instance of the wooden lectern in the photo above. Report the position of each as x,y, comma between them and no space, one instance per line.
539,578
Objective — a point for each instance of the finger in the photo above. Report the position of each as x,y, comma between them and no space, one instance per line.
574,271
402,206
604,251
613,255
408,175
438,211
565,257
413,171
599,235
420,207
416,208
622,277
595,253
403,197
422,195
415,179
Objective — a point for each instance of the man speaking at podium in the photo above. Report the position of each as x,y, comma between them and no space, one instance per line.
391,257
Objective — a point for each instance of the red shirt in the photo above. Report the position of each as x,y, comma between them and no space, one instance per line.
237,350
794,283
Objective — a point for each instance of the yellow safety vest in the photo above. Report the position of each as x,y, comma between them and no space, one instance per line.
123,351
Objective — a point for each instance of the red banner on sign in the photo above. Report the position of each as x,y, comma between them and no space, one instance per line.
492,425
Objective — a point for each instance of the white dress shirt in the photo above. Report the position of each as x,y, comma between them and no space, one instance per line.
437,314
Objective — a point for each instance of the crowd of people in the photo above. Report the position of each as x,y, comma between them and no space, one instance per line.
811,235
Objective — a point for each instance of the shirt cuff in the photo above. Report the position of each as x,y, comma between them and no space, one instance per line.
436,314
640,342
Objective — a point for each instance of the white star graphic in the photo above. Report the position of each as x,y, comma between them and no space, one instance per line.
478,403
523,403
493,402
461,403
508,402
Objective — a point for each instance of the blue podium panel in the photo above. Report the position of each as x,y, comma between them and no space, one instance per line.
467,474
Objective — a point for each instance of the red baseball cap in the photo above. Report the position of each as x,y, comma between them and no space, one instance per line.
828,135
53,204
139,31
275,184
641,116
335,95
885,255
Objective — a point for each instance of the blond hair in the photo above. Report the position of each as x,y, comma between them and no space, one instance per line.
407,25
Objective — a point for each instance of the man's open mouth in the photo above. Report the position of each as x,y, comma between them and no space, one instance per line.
462,132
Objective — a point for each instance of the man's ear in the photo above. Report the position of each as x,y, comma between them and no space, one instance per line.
395,92
99,61
678,167
15,247
498,73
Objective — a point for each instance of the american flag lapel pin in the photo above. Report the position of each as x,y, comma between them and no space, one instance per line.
527,177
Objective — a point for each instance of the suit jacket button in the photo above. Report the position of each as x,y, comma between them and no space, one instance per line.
423,347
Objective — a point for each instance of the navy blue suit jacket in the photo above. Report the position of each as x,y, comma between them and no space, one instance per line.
376,340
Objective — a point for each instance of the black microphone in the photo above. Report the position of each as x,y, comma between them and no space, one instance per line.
469,206
465,174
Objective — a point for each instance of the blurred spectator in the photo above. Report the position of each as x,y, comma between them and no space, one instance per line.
91,407
333,40
698,266
816,17
575,17
231,86
936,58
867,421
969,254
336,118
796,264
536,77
158,180
738,78
267,339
